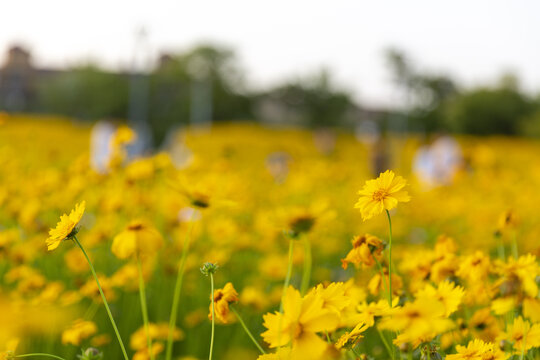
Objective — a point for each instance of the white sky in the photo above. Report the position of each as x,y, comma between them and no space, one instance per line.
473,40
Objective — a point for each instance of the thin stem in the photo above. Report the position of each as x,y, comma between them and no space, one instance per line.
389,259
306,276
500,249
91,311
356,352
514,245
39,354
285,287
385,342
103,298
383,280
213,315
288,276
144,308
177,291
247,330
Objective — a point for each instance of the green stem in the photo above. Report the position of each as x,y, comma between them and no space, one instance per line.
356,353
383,280
500,249
247,330
514,245
389,259
288,276
285,287
306,276
39,354
177,291
144,308
103,298
213,315
385,342
91,311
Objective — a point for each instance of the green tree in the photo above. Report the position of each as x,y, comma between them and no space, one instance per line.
85,92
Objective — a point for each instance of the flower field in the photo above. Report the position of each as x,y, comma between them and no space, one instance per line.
308,254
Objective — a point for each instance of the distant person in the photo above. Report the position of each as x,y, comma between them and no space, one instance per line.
101,145
438,163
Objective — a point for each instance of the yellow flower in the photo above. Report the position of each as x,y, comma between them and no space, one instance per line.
366,249
477,350
368,312
447,293
65,228
350,339
138,238
78,331
522,335
222,299
301,320
380,194
422,319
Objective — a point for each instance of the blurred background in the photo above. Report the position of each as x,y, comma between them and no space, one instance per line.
415,67
261,115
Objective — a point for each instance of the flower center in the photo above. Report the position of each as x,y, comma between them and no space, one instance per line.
380,195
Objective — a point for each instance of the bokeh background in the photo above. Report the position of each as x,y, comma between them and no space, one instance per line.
271,112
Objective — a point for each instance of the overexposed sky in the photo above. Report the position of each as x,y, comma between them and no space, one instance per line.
472,40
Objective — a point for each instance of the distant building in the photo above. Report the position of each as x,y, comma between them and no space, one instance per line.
19,80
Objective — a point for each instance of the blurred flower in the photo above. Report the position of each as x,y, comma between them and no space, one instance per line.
138,238
222,299
366,249
78,331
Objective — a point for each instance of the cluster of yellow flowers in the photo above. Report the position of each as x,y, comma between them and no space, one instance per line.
454,273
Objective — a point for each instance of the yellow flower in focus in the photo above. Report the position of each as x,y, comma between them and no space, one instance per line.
478,350
301,320
78,331
222,299
381,194
139,238
65,228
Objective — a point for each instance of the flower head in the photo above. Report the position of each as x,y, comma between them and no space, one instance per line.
366,249
222,299
139,238
380,194
66,227
298,325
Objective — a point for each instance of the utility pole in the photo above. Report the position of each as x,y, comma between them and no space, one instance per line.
138,96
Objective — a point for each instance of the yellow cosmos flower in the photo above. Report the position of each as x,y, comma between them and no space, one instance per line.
78,331
447,293
222,299
477,349
301,320
422,319
366,249
380,194
350,339
522,335
139,238
66,227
